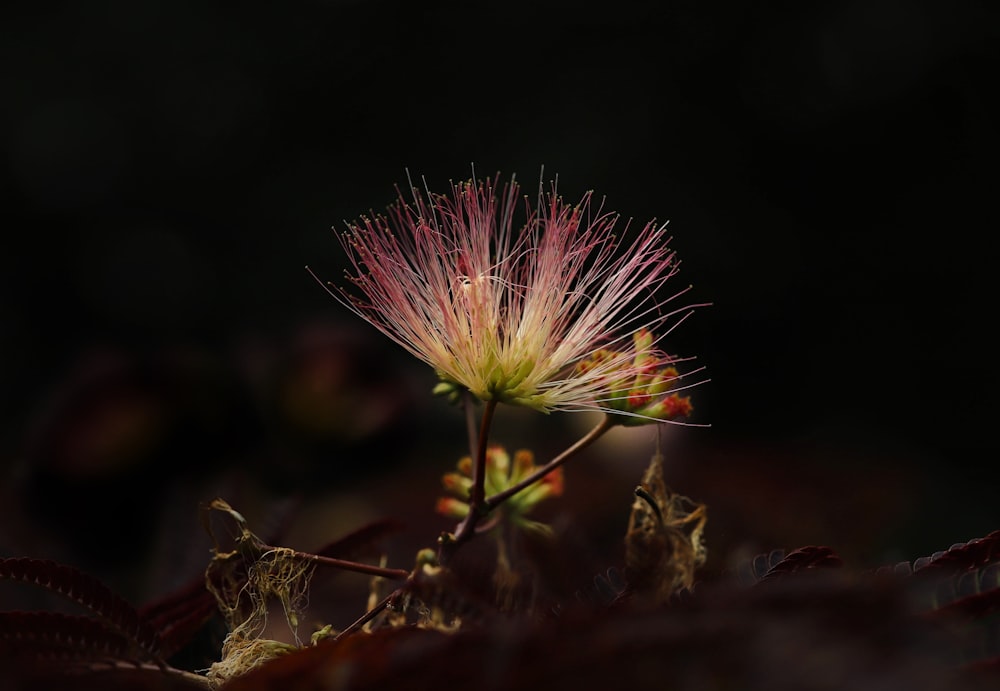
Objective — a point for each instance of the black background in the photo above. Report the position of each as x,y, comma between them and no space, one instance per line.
828,172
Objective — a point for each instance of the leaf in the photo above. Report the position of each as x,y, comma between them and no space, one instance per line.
85,590
961,556
973,599
29,637
180,615
969,602
803,559
751,571
815,634
663,545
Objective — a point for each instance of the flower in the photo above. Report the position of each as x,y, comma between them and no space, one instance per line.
501,474
509,311
644,393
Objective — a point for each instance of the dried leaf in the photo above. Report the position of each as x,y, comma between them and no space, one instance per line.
664,545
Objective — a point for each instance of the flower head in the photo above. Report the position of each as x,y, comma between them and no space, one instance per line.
501,473
509,311
645,391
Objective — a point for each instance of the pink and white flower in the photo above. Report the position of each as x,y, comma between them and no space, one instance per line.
509,310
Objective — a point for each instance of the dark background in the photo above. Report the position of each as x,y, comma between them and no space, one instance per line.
169,169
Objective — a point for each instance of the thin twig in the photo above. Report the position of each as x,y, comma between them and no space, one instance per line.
593,435
197,679
355,566
367,616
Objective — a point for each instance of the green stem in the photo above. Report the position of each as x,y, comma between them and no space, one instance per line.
593,435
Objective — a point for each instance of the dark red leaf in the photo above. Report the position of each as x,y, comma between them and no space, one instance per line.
973,554
978,605
750,571
178,616
803,558
28,637
808,634
85,590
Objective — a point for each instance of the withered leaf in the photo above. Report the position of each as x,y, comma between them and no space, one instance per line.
664,543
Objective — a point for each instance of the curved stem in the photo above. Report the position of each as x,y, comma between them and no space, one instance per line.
593,435
477,495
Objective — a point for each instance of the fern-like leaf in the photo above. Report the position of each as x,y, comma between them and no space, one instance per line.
179,616
961,556
36,637
85,590
802,559
751,571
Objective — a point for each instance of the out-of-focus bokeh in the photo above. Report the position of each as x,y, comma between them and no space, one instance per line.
169,169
